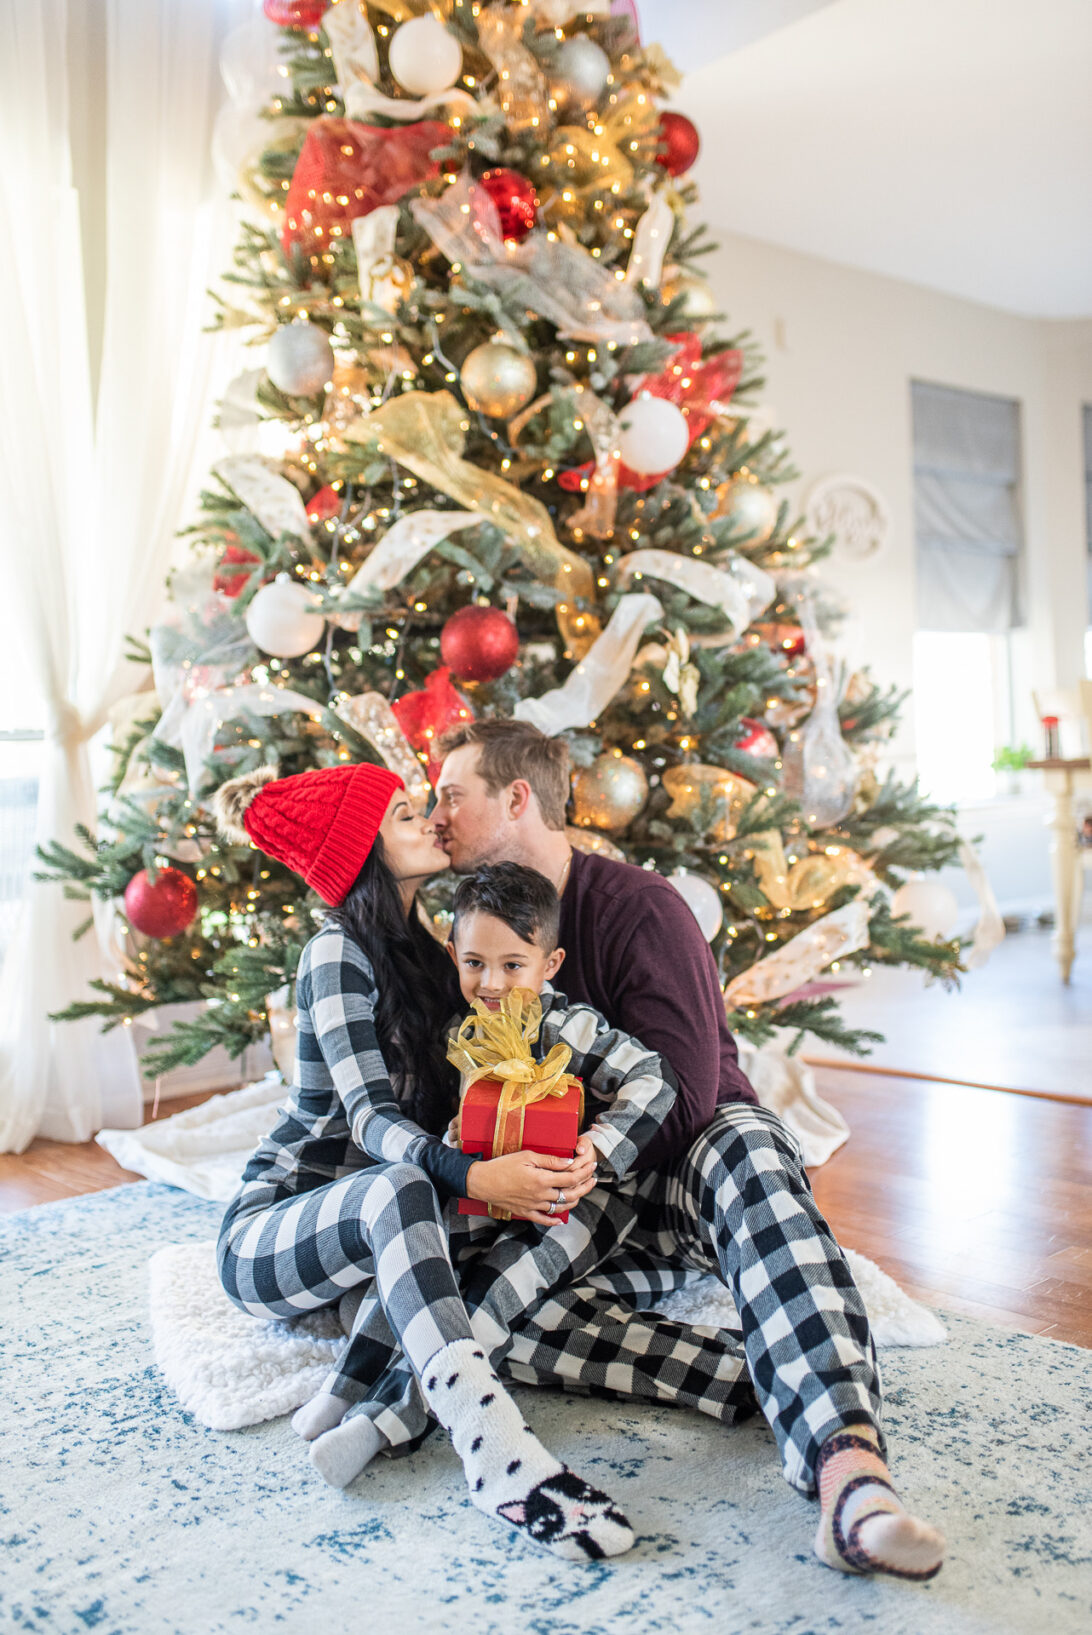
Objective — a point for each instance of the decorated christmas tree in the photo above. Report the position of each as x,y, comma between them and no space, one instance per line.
498,454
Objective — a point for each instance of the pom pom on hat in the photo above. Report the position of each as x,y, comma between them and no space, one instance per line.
231,800
322,824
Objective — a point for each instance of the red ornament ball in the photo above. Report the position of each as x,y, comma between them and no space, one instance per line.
679,143
325,505
515,199
163,907
757,739
295,13
790,639
479,643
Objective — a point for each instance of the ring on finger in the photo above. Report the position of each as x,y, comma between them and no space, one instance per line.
551,1209
560,1198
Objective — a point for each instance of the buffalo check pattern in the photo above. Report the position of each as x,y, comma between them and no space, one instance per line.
739,1205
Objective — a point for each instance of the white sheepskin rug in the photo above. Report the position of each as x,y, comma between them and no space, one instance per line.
231,1370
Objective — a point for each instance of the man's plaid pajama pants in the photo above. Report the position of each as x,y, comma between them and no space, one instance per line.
739,1205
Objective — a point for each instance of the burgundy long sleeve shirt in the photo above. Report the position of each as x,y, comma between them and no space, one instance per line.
634,950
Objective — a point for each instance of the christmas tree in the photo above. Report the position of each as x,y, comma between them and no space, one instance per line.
498,455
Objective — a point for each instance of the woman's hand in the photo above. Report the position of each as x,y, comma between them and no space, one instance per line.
527,1183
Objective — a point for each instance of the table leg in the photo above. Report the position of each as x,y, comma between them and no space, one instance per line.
1068,880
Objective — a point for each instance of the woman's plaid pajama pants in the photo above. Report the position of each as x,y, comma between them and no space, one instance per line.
382,1224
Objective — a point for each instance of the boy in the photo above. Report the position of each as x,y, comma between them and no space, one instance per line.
504,936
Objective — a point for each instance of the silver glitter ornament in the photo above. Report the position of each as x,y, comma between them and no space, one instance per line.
580,72
300,360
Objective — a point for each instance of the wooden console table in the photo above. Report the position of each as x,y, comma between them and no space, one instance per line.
1062,778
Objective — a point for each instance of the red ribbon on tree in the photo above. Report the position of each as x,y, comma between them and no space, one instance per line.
346,169
231,584
426,715
698,385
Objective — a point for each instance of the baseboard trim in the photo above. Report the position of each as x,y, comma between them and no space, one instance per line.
940,1078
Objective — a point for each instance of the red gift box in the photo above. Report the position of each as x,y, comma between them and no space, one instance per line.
550,1126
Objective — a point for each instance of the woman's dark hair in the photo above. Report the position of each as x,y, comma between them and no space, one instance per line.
418,992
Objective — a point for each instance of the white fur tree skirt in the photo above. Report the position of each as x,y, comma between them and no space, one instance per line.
231,1370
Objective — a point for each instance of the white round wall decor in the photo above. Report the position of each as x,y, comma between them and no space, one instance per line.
853,511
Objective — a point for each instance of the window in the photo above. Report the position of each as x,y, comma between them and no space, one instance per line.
969,660
21,718
1087,417
963,709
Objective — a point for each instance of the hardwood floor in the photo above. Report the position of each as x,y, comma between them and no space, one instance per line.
973,1199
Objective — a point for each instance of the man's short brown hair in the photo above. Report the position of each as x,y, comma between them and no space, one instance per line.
516,749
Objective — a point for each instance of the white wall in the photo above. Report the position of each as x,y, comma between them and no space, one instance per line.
841,349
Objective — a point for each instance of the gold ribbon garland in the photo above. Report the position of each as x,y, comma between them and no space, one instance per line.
424,431
497,1045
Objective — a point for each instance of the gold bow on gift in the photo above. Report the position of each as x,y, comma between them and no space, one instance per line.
497,1045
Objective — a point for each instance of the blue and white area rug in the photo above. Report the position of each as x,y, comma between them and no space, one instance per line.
120,1514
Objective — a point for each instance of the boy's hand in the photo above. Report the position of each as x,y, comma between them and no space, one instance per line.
527,1183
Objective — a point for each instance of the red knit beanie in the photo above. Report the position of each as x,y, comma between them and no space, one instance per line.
322,824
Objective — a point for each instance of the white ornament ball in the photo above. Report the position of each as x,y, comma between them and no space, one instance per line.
300,360
702,899
282,619
931,905
653,435
580,73
425,57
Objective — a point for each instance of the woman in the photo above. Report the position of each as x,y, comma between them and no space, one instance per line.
348,1189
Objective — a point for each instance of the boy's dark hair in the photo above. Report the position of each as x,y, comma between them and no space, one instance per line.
523,898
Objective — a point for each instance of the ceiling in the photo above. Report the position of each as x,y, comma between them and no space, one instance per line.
946,142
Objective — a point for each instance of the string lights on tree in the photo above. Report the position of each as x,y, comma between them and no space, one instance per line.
499,456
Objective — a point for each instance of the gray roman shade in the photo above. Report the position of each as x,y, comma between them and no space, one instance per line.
968,527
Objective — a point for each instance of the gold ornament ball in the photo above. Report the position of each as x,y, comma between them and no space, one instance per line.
751,508
497,380
586,840
609,793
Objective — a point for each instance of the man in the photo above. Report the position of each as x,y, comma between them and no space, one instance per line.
724,1187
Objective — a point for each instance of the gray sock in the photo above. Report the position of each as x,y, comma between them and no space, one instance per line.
319,1415
339,1455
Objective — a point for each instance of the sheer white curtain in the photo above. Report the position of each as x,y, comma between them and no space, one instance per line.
92,491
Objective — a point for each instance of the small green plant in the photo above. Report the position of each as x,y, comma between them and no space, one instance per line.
1012,758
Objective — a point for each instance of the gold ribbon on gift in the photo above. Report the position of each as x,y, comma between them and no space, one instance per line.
497,1045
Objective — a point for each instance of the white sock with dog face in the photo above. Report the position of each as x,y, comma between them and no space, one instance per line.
509,1473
